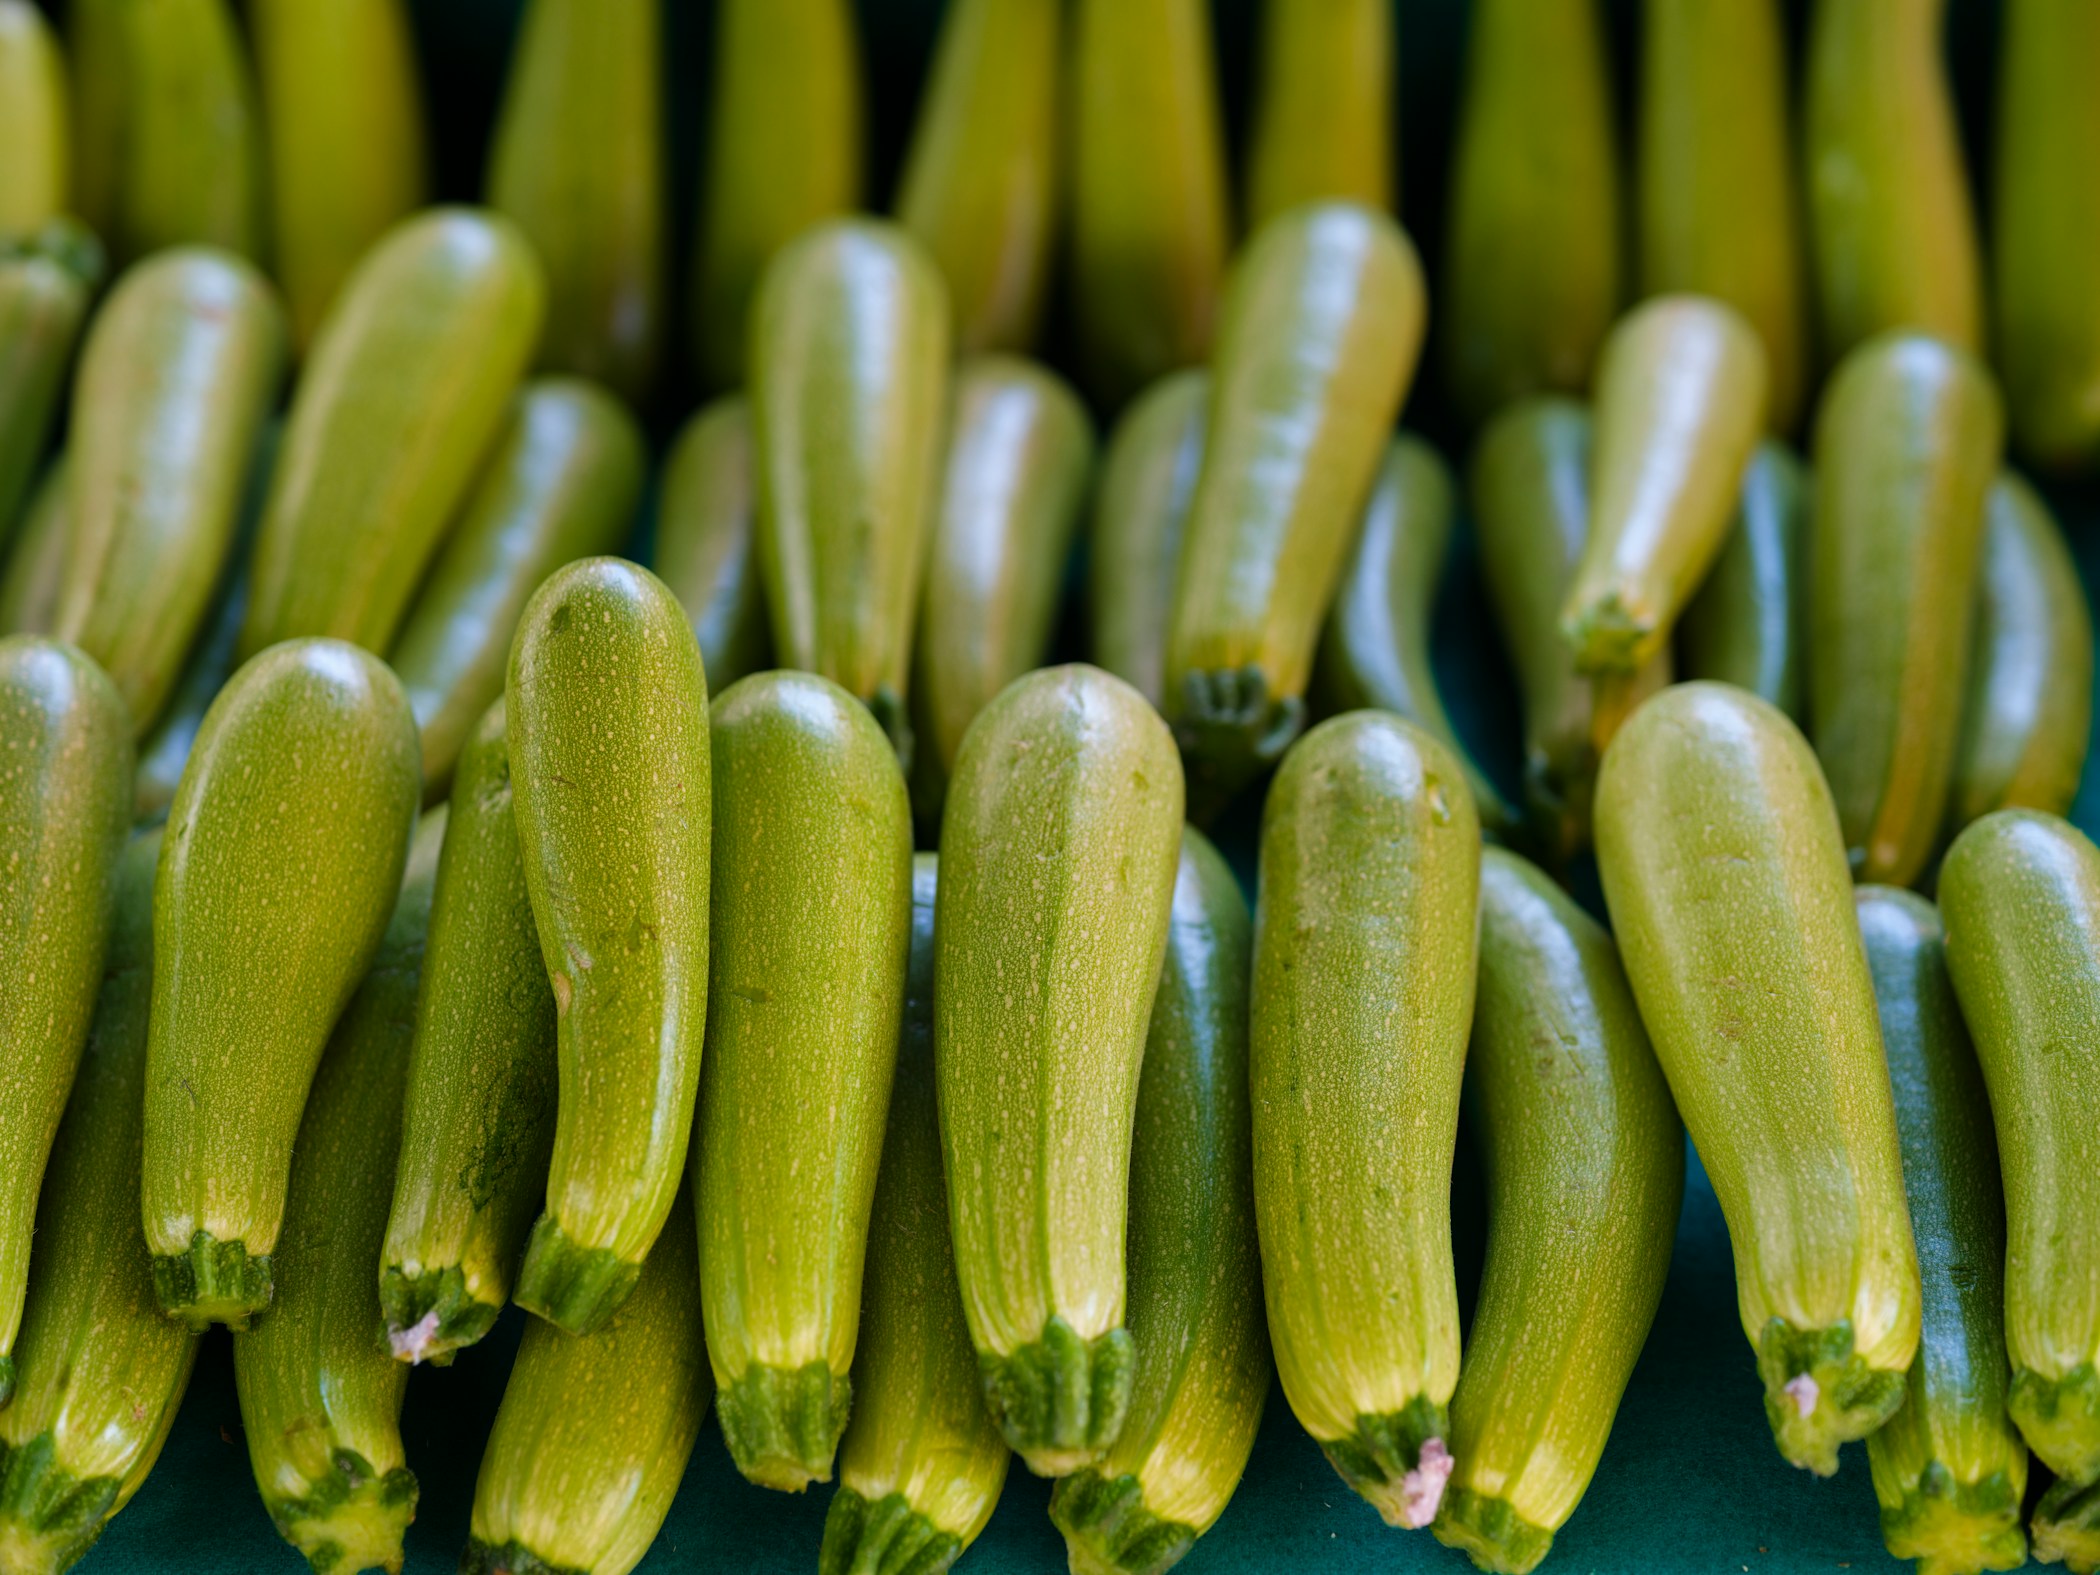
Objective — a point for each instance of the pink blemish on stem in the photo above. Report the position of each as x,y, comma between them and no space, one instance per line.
1422,1489
409,1344
1804,1392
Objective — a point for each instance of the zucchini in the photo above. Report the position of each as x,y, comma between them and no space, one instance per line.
403,396
281,862
94,42
561,483
36,181
1322,322
1141,506
921,1464
1725,873
607,710
1949,1468
1058,850
66,801
1323,108
1743,627
321,1405
2066,1526
1198,1339
706,517
1585,1172
36,558
1907,446
478,1119
176,379
849,401
46,283
980,182
1365,941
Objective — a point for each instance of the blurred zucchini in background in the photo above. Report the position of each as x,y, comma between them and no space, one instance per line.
980,184
36,558
1323,108
320,1403
783,152
849,408
343,121
176,379
1141,507
404,392
1949,1468
562,483
577,165
35,121
47,281
1908,442
1197,1333
1058,848
1531,263
1725,873
607,710
706,520
479,1113
1743,626
1585,1172
1150,231
281,863
94,44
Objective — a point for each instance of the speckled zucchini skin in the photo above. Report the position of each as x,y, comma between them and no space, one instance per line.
1744,627
1323,108
1141,507
706,548
47,280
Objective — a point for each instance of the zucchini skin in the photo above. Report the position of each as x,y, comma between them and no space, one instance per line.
47,282
1365,939
1322,324
478,1118
561,483
94,42
65,799
36,558
607,712
1058,848
281,863
2020,892
1949,1467
320,1402
1722,863
1323,109
1744,625
1585,1171
921,1463
405,389
1197,1332
1907,446
980,183
706,551
34,121
176,380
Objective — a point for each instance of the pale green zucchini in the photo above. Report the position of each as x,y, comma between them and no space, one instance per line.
36,177
47,280
1744,625
706,519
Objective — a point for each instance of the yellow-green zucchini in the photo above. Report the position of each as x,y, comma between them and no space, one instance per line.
47,280
36,178
706,521
1744,625
36,558
1323,109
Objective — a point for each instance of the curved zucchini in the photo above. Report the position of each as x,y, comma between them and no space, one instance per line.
1949,1468
1322,322
1364,951
478,1118
1323,110
46,283
1058,849
1585,1172
1743,627
1907,446
281,862
403,395
176,379
979,187
36,180
1149,228
1531,267
1722,862
561,484
36,558
1141,507
1200,1345
849,404
783,153
706,518
321,1405
607,710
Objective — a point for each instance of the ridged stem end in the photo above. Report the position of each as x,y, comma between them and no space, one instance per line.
1607,636
213,1282
1109,1530
1956,1528
574,1287
1230,727
1060,1400
2060,1419
431,1315
2067,1527
885,1536
351,1519
1491,1533
1819,1393
48,1516
508,1558
782,1425
1397,1461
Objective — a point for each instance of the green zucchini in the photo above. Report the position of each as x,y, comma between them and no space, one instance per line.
36,558
1907,446
1149,227
561,483
404,393
94,42
320,1404
46,282
36,180
1949,1468
1323,109
921,1464
810,933
281,862
979,187
1200,1345
1743,627
1725,872
1585,1172
176,379
66,801
783,153
706,516
1322,322
2066,1526
607,710
479,1114
1531,265
849,402
1058,851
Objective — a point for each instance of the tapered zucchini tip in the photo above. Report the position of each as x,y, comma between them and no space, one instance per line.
1491,1533
214,1282
2060,1418
2066,1529
354,1518
1109,1531
1398,1461
1820,1393
782,1425
1229,728
574,1287
1060,1400
884,1536
48,1516
430,1315
1957,1528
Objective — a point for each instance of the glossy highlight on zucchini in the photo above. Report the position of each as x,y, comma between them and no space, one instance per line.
1744,627
1323,109
1141,507
706,551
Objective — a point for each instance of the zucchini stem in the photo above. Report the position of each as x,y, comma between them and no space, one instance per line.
883,1537
782,1425
1820,1393
2066,1527
213,1282
1398,1461
574,1287
1061,1400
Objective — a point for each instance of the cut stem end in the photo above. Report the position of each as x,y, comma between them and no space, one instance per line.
782,1424
1060,1400
213,1282
1110,1530
885,1536
574,1287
